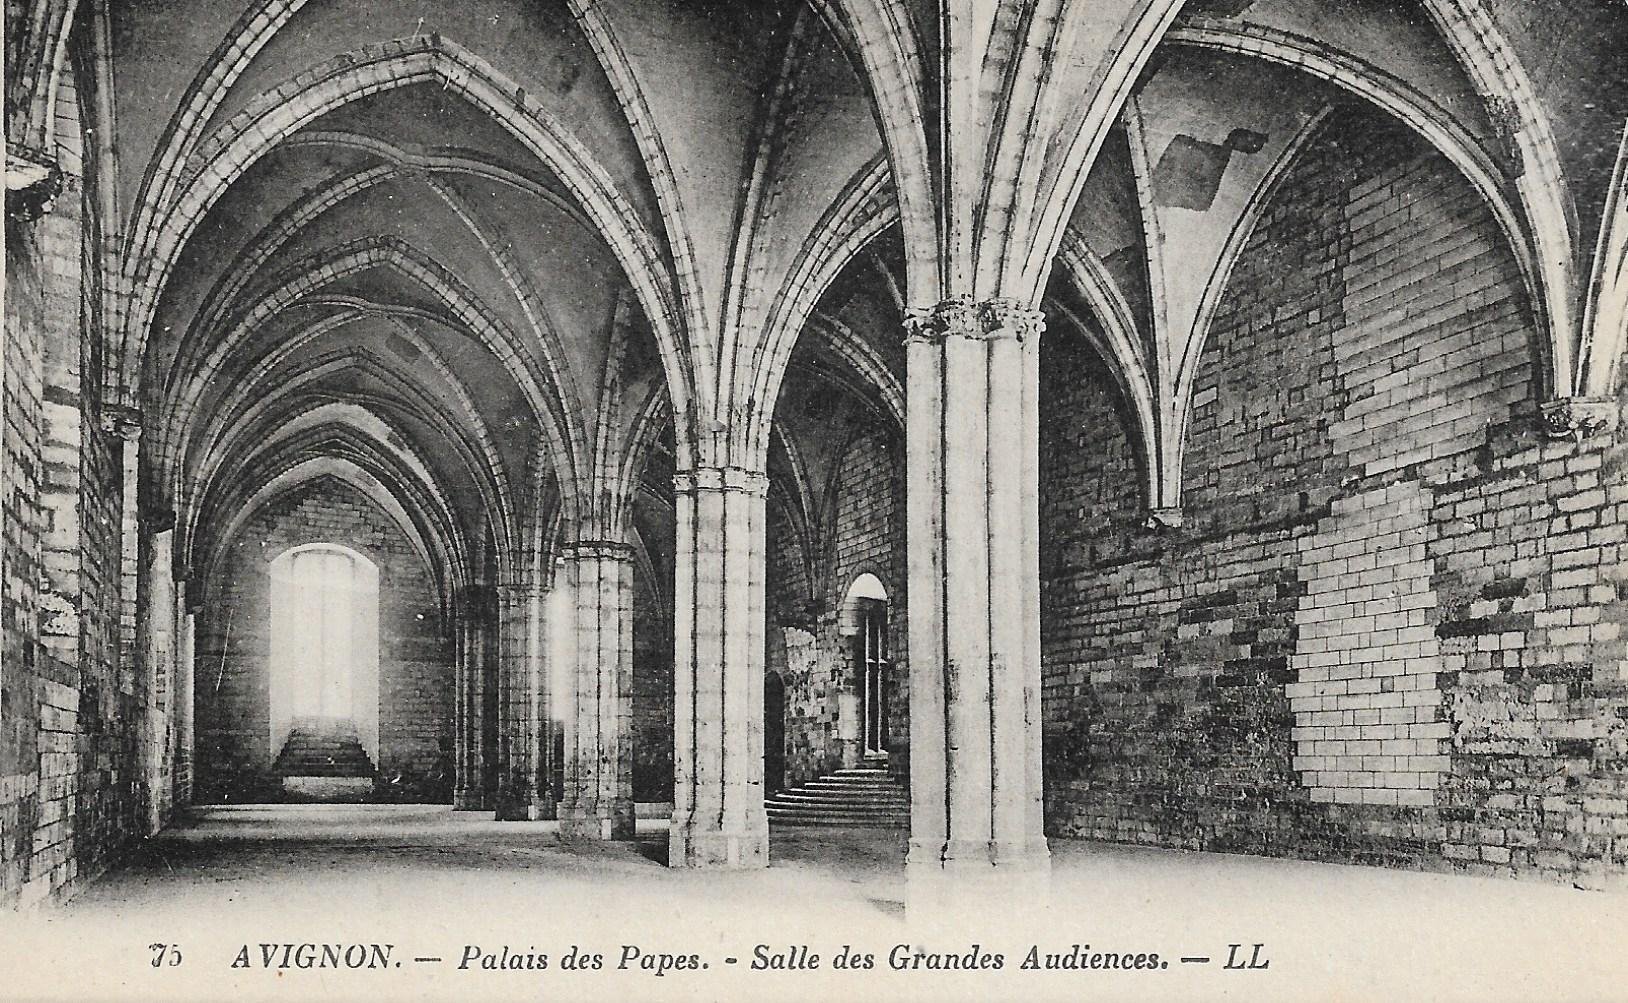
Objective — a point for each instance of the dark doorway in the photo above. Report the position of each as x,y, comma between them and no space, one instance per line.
774,734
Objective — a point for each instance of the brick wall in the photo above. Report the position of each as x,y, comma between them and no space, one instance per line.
23,655
71,790
809,643
1389,629
234,649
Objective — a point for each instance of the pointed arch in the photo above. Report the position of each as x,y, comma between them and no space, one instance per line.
881,40
691,309
1605,324
1114,336
1492,65
160,234
862,212
324,267
1401,101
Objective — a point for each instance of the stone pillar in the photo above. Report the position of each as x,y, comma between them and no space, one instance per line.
544,798
597,802
469,765
514,777
974,599
525,731
126,424
460,707
158,622
184,713
718,627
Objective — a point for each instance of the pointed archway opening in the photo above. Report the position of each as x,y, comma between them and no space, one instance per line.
774,733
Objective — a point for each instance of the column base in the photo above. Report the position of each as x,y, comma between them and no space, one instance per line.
512,811
543,810
465,799
947,884
976,855
600,822
692,845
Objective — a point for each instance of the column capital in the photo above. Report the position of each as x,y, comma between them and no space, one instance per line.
33,182
722,478
962,317
1008,317
121,420
608,550
953,317
1578,417
522,585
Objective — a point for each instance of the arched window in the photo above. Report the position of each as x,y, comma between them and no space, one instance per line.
324,644
866,613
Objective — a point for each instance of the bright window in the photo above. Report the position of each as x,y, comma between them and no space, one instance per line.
324,643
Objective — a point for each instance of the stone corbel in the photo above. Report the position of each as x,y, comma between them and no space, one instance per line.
1578,417
33,182
1164,517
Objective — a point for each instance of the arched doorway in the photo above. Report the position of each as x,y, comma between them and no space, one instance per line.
774,733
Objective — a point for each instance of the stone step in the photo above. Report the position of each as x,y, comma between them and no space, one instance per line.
804,797
844,822
856,797
329,752
782,810
834,812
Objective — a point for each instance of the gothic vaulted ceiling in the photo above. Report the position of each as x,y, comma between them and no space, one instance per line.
495,262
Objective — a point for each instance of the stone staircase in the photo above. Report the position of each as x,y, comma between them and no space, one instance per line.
323,747
863,796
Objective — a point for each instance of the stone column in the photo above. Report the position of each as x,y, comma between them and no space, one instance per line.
526,736
158,624
974,601
184,715
544,799
126,424
468,792
515,790
718,626
597,802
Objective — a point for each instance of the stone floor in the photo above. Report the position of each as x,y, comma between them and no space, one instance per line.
438,884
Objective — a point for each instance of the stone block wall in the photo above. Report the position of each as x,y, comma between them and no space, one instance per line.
1389,629
234,649
72,793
